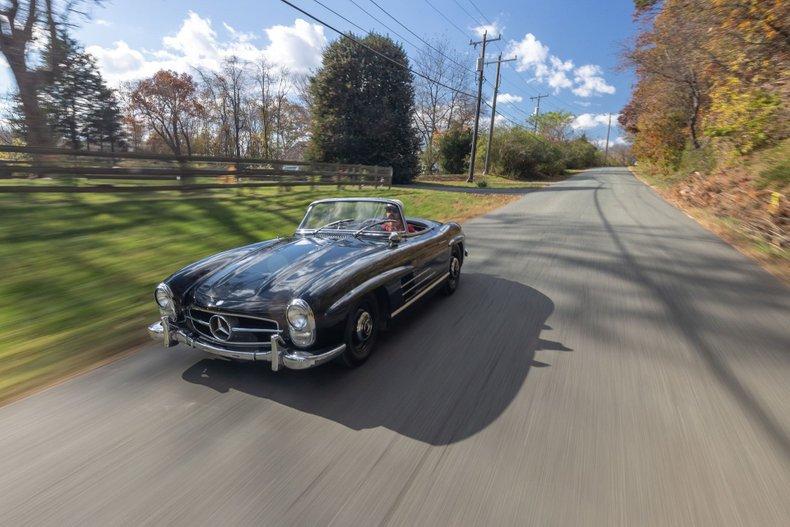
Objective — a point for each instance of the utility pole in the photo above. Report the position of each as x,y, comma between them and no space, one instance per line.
480,67
499,62
537,110
606,152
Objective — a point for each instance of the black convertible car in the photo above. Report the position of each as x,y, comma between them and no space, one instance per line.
323,293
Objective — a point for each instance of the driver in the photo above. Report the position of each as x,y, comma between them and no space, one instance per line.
391,213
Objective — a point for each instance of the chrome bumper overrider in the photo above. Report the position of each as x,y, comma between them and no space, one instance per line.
279,355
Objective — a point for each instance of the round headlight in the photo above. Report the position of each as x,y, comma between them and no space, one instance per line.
298,314
301,322
164,298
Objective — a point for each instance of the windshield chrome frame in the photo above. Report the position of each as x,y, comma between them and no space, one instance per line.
396,203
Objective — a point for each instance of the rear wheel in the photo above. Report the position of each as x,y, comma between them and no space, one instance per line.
451,284
362,327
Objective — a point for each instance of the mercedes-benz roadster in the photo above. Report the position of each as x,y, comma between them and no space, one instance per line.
322,294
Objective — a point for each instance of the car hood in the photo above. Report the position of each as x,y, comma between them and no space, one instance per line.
274,274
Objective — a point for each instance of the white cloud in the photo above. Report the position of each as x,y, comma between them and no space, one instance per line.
197,44
587,121
195,39
589,81
118,60
534,56
529,52
601,143
493,29
296,47
507,98
102,22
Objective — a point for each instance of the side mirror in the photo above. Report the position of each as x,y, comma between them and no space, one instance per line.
394,239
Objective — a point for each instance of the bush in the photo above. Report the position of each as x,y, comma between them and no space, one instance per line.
454,147
520,154
482,183
579,153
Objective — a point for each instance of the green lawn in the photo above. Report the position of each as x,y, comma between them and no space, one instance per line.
492,181
79,270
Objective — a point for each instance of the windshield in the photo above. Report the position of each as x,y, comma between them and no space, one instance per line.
353,215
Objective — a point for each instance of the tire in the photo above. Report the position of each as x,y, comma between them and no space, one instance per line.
362,329
451,284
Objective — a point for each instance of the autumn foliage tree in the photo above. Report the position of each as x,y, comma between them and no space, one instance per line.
168,104
708,71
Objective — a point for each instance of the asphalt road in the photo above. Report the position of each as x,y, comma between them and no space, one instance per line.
605,361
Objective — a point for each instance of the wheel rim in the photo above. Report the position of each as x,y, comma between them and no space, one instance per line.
363,332
364,326
455,271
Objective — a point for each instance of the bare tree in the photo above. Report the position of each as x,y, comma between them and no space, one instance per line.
438,107
272,104
225,94
18,24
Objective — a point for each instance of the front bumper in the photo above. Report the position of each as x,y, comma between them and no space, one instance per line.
278,355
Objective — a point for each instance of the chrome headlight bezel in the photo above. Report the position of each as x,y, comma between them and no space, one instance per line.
301,323
163,296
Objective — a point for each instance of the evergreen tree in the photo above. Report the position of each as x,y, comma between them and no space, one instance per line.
363,106
79,106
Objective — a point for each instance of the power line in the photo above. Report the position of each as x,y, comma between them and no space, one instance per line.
380,54
565,103
383,24
467,13
463,32
418,36
480,12
385,57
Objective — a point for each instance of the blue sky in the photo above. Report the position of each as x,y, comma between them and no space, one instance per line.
568,49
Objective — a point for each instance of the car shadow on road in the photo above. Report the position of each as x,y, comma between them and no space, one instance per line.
443,372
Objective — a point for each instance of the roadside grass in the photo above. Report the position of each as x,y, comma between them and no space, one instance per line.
491,181
734,230
79,270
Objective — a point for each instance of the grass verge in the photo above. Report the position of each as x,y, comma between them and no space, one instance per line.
79,269
731,228
491,181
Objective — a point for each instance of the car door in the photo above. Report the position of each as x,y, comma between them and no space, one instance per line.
428,259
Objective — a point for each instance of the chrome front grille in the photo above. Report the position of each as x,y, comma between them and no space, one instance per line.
231,329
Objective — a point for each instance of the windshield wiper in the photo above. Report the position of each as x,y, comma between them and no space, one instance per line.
332,224
366,227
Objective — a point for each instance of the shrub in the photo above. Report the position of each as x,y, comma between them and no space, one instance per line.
454,147
579,153
482,183
521,154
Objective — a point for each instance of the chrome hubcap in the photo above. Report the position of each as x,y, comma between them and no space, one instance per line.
364,326
455,268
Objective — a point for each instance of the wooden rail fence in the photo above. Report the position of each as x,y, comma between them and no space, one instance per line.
35,169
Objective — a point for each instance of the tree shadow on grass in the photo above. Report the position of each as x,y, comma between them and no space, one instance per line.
445,371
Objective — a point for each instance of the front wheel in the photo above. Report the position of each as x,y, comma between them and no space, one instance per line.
362,327
451,284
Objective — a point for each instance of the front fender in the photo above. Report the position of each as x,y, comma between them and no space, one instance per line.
367,287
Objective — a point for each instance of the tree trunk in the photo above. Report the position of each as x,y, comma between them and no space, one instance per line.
695,104
36,127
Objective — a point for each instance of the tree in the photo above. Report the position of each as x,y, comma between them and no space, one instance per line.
363,106
438,107
225,94
78,105
554,126
23,24
168,105
708,70
454,146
